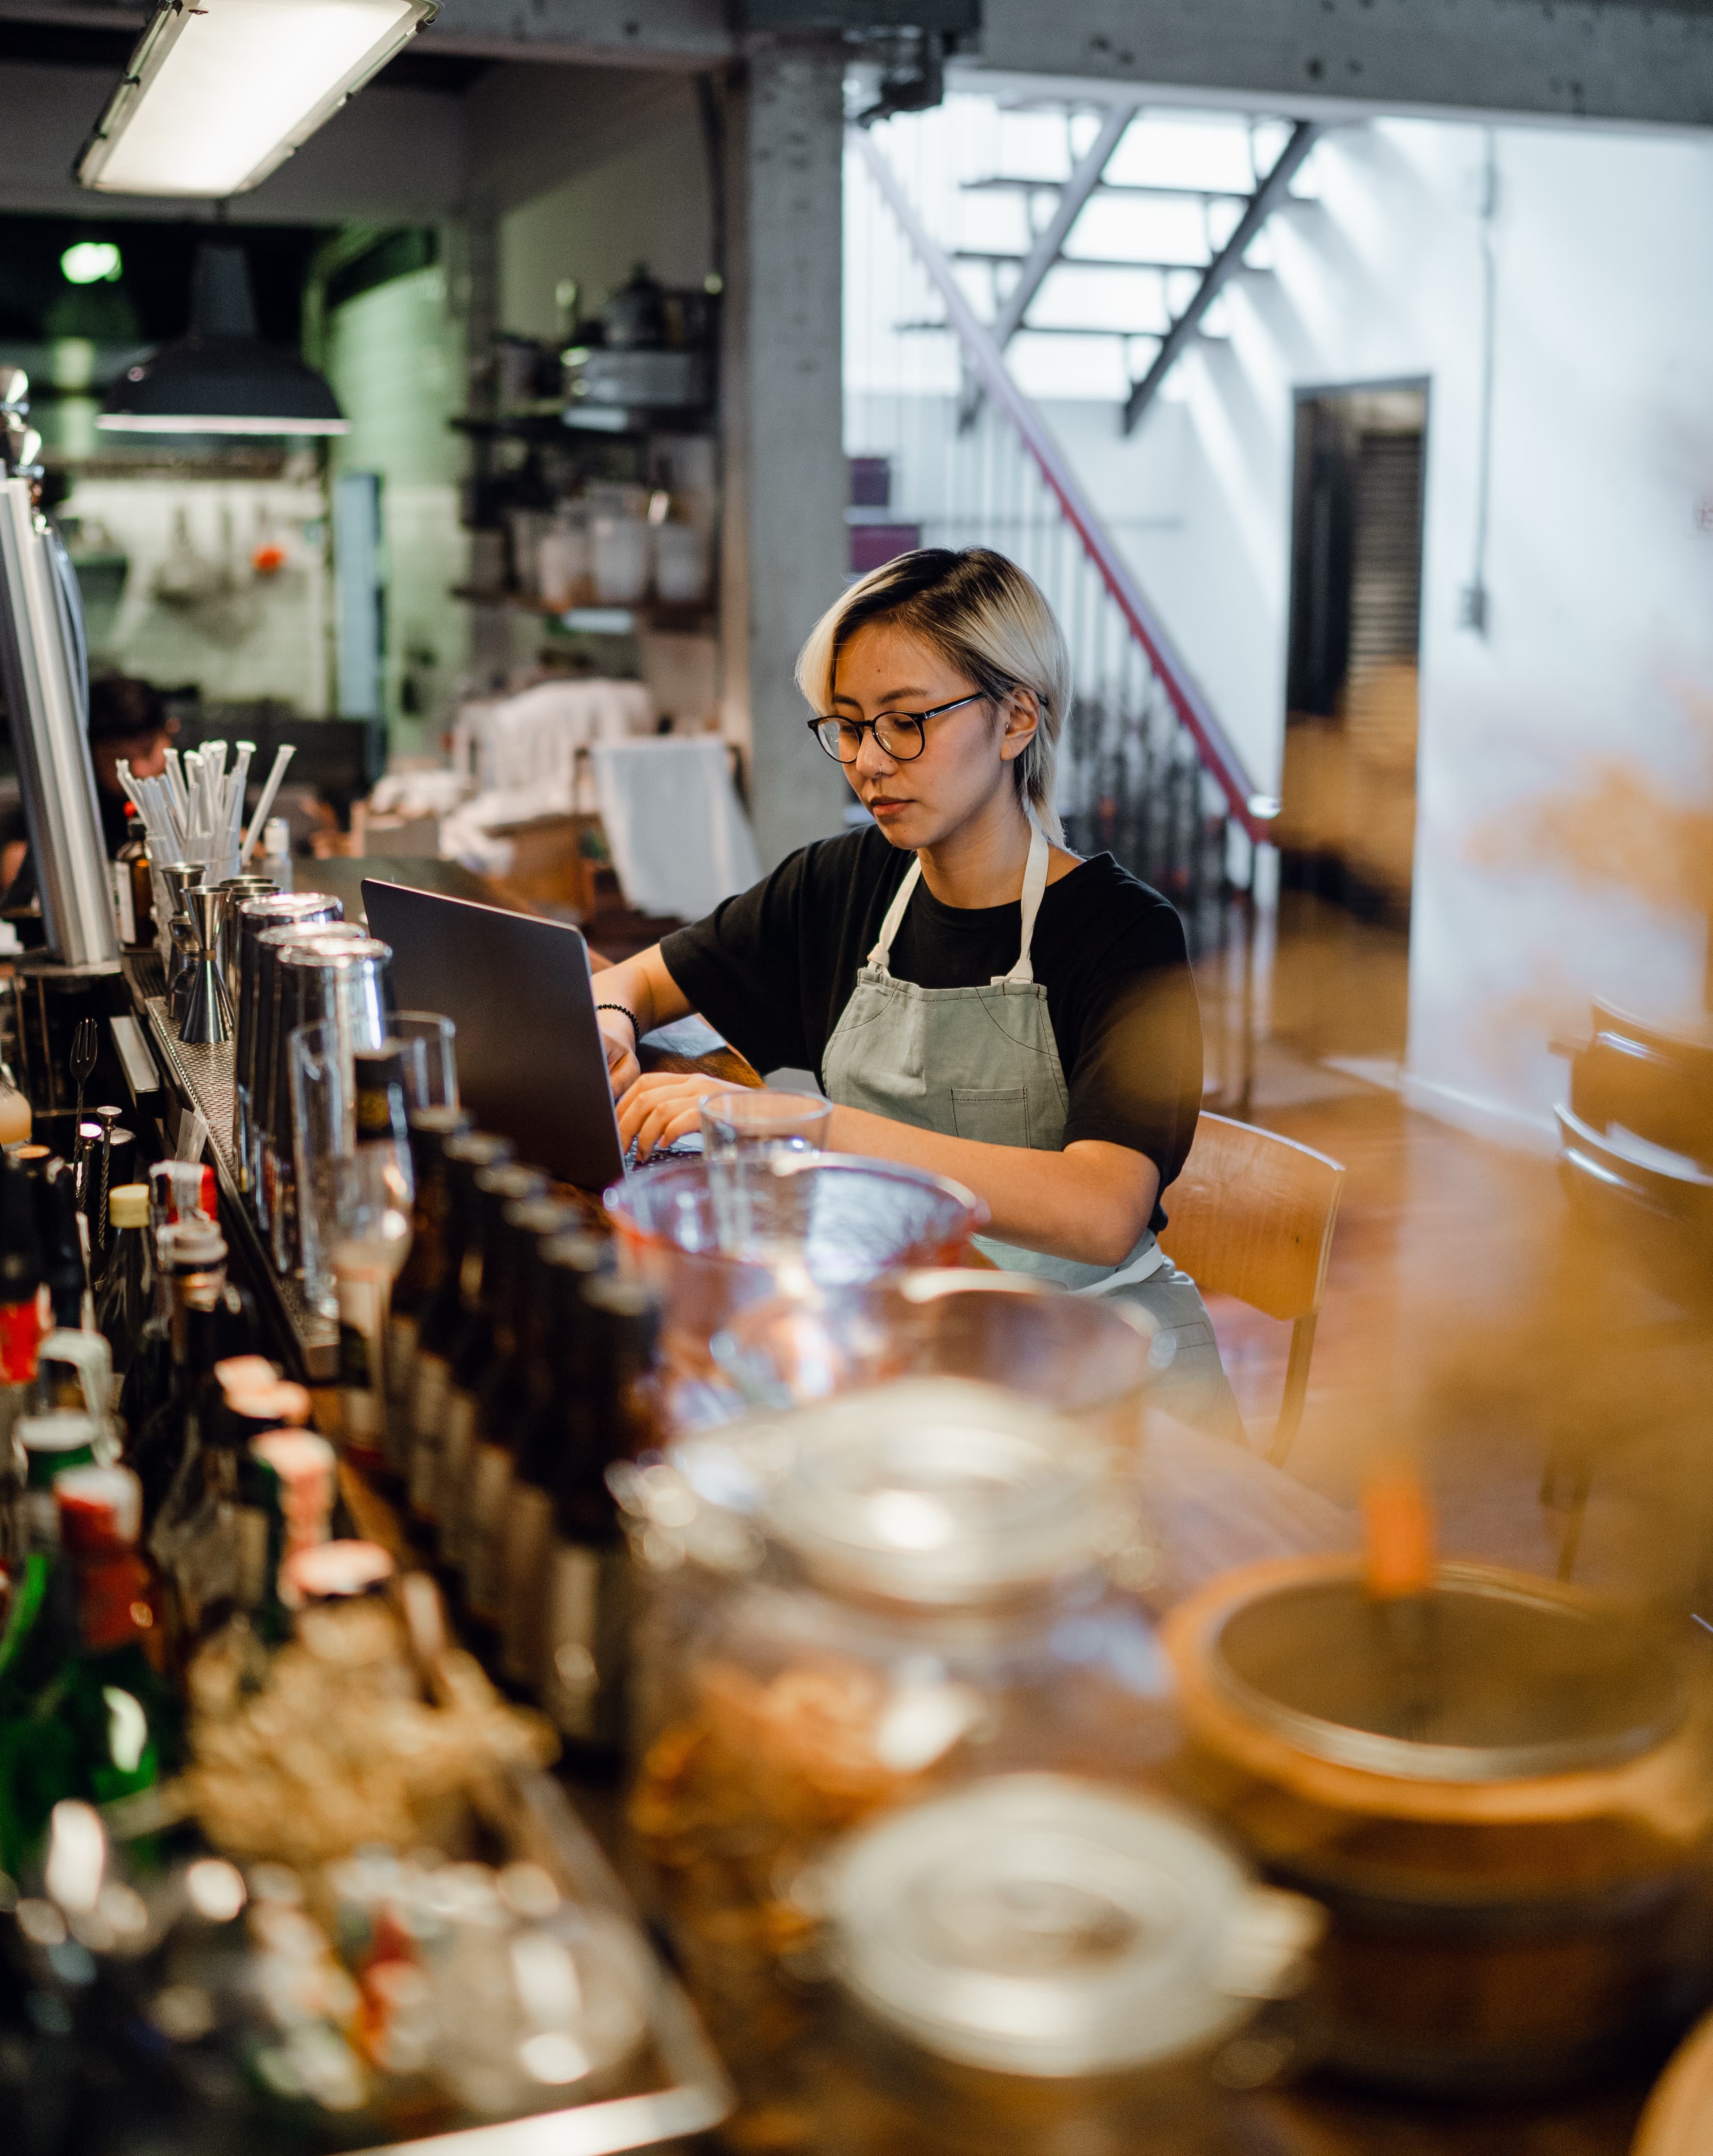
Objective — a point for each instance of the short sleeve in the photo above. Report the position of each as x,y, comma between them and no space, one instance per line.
740,967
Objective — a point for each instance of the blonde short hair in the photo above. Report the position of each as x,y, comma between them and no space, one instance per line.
983,615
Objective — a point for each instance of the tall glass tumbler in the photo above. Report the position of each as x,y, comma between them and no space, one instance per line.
273,1024
251,917
429,1042
354,1188
342,978
745,1134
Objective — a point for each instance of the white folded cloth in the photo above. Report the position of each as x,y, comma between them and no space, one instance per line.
679,840
530,741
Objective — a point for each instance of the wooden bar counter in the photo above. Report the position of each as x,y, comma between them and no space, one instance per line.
1212,1506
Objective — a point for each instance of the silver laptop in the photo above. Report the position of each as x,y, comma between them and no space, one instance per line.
530,1061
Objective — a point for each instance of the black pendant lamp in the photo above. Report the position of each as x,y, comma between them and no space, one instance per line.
221,378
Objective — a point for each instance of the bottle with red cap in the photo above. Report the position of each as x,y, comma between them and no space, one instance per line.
101,1723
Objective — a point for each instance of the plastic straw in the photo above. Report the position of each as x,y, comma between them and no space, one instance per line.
282,756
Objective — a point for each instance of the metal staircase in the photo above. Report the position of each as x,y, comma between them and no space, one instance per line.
1116,246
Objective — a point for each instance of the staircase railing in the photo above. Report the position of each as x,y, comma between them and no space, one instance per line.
1248,807
1146,772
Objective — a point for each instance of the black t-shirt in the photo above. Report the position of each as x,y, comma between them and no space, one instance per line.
774,968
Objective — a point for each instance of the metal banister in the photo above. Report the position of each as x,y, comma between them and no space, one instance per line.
1251,809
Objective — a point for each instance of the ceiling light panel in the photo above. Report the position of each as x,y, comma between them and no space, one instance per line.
214,99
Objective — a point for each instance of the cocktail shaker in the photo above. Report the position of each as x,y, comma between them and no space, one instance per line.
239,888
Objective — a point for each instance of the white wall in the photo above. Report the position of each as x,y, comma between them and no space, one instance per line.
1599,570
1600,628
637,192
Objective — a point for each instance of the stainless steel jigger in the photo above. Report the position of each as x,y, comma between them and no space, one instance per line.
179,877
207,1008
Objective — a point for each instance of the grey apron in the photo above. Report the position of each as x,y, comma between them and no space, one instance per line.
982,1063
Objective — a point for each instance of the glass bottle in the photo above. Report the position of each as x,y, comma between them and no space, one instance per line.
558,1390
304,1472
104,1724
488,1300
520,1346
126,1297
588,1613
21,1277
52,1444
463,1157
62,1244
165,1450
424,1267
15,1117
373,1237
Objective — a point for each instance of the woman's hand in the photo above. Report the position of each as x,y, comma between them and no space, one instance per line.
617,1037
663,1107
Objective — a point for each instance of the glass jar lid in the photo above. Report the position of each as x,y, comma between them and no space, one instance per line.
1032,1924
941,1491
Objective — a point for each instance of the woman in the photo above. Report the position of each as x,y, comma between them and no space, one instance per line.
976,1000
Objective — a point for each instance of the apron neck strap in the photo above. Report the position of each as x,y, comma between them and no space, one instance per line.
1034,883
882,952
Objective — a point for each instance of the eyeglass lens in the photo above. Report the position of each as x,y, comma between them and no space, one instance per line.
896,733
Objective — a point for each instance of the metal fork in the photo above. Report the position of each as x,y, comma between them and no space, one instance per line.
85,1046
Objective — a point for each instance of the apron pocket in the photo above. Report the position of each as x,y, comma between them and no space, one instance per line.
993,1115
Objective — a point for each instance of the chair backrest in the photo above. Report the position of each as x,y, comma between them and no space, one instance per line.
1252,1215
1664,1097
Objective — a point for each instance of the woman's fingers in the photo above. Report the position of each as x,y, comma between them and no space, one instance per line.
659,1108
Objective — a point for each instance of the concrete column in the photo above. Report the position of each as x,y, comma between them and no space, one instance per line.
784,548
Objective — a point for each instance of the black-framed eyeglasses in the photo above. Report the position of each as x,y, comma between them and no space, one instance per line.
897,734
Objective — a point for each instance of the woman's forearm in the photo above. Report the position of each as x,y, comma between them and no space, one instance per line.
1091,1202
643,986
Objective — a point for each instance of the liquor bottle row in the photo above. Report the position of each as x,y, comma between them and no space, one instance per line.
519,1366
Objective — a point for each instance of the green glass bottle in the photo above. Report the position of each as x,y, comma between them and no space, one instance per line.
102,1723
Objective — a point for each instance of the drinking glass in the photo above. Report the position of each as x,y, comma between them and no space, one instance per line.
430,1063
354,1201
747,1136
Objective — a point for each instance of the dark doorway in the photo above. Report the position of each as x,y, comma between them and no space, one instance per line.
1346,827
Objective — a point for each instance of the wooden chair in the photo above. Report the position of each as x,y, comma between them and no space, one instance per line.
1252,1216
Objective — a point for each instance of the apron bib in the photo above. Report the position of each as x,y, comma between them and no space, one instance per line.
970,1063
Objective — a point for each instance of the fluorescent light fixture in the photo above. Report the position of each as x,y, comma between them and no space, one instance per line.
216,97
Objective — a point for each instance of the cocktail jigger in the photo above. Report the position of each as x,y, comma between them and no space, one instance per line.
207,1008
179,877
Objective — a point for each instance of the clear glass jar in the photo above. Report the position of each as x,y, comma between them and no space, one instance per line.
1039,1964
851,1608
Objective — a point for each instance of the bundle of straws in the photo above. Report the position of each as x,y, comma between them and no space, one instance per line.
193,811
